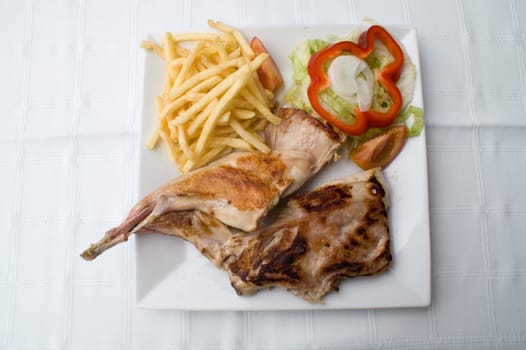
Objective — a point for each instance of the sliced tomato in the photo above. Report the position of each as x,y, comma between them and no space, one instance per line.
268,73
380,150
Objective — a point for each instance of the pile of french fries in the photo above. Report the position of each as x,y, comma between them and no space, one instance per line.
212,101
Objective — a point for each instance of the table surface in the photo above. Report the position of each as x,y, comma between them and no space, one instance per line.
69,92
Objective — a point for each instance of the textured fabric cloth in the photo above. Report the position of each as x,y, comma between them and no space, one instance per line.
69,91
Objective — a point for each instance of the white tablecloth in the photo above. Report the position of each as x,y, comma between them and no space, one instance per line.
69,86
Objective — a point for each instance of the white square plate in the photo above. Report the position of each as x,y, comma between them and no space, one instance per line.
172,274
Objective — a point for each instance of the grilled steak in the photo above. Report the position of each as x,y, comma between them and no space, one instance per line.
239,189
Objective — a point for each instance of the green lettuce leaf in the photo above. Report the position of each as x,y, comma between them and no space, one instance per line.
296,94
417,123
300,56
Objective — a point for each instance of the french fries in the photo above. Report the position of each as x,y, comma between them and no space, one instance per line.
212,102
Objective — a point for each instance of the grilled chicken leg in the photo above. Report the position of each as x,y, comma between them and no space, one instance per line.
239,189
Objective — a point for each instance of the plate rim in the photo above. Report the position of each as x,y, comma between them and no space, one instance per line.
421,299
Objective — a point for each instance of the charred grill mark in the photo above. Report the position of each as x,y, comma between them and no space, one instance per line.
386,254
361,243
282,264
276,257
370,220
278,264
328,197
362,232
375,187
348,266
376,212
239,267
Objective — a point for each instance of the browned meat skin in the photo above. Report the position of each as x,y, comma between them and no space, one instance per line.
239,189
337,230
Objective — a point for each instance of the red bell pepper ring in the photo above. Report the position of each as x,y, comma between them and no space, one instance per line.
386,76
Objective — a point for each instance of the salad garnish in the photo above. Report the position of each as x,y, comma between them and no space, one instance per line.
387,76
362,84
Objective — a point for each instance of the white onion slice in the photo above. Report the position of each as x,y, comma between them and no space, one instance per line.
352,79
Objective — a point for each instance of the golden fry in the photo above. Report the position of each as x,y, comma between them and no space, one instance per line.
201,37
212,101
263,109
203,102
221,50
243,113
218,110
239,75
183,143
154,137
232,142
188,63
243,43
225,118
259,125
152,140
170,52
189,83
211,155
249,137
146,44
178,103
197,123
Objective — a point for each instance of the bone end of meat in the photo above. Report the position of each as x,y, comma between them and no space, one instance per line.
109,240
119,234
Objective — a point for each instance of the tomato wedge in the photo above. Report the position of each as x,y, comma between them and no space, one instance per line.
380,150
268,73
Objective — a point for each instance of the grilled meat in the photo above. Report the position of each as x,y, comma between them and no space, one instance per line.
337,230
239,189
